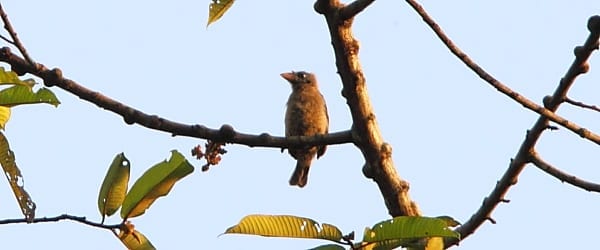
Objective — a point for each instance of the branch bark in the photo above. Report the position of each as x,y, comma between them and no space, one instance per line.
526,152
79,219
562,176
365,130
132,116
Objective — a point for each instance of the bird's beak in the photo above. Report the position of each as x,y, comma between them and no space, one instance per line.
289,76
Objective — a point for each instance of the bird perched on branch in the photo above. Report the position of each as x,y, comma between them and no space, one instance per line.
306,115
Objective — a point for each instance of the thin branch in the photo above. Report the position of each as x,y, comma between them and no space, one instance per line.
15,39
352,9
6,39
509,178
563,176
578,67
62,217
224,134
581,104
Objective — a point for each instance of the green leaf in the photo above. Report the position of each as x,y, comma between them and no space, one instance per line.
216,9
155,182
329,247
11,78
435,243
114,186
408,228
381,245
450,222
135,240
15,179
285,226
21,94
4,116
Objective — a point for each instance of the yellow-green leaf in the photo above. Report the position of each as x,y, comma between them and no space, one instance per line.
155,182
4,116
408,227
381,245
114,186
216,9
450,222
11,78
329,247
21,94
15,179
135,240
435,243
285,226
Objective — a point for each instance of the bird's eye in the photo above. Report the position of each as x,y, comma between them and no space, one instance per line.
301,75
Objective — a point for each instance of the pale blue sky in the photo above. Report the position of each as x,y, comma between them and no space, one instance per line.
453,135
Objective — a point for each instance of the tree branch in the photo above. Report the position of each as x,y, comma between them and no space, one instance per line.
225,134
15,39
524,155
62,217
581,104
352,9
562,176
578,67
547,114
365,130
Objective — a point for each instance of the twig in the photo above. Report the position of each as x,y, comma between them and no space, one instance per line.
564,177
527,147
62,217
563,87
6,39
581,104
509,178
15,39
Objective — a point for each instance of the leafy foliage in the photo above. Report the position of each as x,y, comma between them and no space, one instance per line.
217,8
408,227
154,183
114,187
13,174
22,91
19,93
133,239
329,247
285,226
409,231
11,78
4,116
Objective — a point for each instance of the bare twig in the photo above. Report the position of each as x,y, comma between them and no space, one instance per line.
564,177
581,104
578,66
6,39
15,39
523,156
62,217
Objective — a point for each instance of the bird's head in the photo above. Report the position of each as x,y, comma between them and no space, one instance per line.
300,79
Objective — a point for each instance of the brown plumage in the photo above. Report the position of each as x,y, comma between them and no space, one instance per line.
306,115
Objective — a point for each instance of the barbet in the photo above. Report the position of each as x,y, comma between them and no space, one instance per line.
306,115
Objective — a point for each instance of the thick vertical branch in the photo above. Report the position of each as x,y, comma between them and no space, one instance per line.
365,130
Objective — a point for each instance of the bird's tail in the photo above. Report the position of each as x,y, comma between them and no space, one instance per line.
300,175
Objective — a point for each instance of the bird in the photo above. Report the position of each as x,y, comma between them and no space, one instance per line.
306,115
